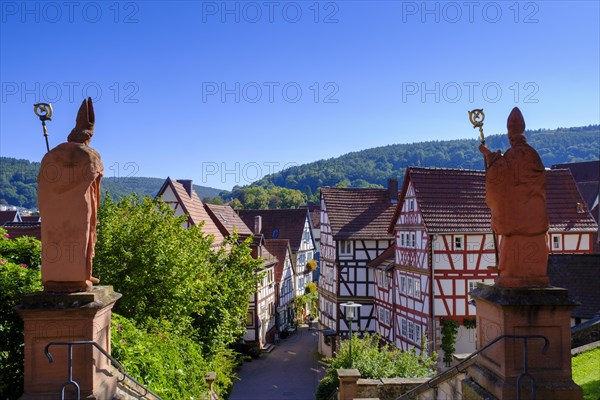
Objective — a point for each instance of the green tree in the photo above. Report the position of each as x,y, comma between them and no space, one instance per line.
16,279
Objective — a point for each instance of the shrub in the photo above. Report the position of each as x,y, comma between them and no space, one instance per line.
16,279
449,332
326,388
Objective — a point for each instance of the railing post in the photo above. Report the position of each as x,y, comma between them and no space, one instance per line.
348,383
210,379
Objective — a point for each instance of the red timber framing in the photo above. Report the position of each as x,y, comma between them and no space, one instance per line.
444,246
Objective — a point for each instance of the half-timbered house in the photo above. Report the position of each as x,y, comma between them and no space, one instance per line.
444,246
284,282
383,274
293,225
182,198
353,233
261,324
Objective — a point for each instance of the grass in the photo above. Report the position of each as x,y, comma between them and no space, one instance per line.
586,373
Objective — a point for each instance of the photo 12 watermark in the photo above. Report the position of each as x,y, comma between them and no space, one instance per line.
253,12
270,92
452,12
71,92
471,92
53,12
241,173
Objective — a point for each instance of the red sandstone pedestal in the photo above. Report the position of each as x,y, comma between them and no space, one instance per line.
524,311
62,317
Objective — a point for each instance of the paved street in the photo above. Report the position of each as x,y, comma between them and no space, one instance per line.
289,372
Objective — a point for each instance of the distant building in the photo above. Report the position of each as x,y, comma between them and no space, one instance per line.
354,232
182,198
284,282
293,225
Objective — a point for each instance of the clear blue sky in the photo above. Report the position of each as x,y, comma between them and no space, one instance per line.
210,91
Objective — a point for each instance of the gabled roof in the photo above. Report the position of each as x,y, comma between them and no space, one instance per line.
9,216
279,248
386,260
30,218
587,177
579,273
358,213
453,200
227,220
279,224
192,206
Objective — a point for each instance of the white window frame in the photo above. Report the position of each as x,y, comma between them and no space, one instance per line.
403,284
417,333
346,247
411,287
412,240
402,242
418,287
411,331
411,204
403,327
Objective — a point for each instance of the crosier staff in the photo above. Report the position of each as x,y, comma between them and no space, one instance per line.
476,117
44,112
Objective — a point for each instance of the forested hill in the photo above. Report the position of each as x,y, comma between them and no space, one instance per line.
18,184
374,166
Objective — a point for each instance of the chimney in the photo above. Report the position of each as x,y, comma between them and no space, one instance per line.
393,189
187,184
257,224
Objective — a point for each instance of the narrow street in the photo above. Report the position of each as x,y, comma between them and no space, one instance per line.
289,372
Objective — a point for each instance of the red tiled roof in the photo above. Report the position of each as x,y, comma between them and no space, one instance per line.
587,177
385,260
278,248
453,200
562,198
20,229
358,213
579,273
8,216
193,207
289,223
227,220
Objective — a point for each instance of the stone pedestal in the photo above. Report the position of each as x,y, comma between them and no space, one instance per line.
524,311
62,317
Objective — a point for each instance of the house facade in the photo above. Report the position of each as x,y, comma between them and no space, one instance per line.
444,246
284,282
293,225
183,199
353,233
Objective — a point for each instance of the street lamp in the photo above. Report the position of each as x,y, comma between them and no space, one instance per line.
350,307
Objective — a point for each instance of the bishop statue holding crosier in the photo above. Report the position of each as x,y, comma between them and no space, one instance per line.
68,200
516,196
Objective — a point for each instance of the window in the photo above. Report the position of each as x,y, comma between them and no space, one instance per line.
302,258
250,318
458,242
403,327
417,333
418,287
402,242
306,236
411,330
411,204
346,247
556,242
412,240
402,284
410,286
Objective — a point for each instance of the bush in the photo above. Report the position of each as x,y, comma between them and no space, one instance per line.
374,361
16,279
326,388
169,364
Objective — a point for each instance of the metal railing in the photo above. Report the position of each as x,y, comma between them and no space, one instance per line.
447,374
74,384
